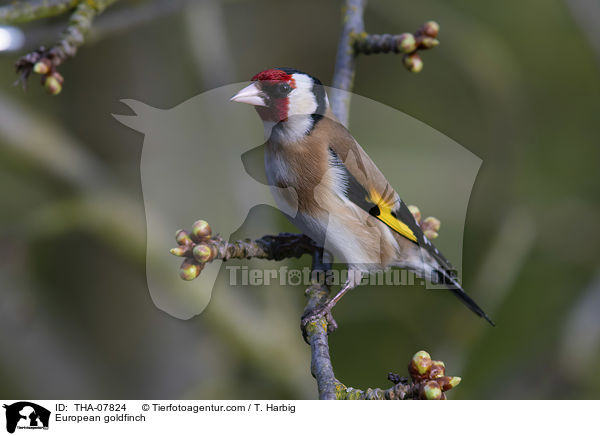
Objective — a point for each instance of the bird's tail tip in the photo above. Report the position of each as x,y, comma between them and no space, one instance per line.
488,319
457,289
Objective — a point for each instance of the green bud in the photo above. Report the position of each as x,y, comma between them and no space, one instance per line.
42,67
52,85
180,251
431,234
447,383
438,369
189,270
416,212
432,391
182,237
420,363
413,62
201,230
431,29
431,223
428,42
407,43
202,253
454,381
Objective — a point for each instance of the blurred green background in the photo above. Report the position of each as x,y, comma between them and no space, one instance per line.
514,82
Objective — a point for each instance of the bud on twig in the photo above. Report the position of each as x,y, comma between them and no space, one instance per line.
52,84
413,62
428,377
430,28
201,230
43,66
447,383
431,391
189,270
419,364
182,237
407,43
431,223
203,253
431,227
427,42
437,370
181,251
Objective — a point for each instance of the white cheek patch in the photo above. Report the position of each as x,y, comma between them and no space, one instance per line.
294,129
302,100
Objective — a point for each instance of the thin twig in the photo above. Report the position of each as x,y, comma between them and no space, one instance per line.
355,40
45,61
316,333
345,61
400,391
24,12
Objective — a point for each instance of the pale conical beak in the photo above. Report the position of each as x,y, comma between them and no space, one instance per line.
251,94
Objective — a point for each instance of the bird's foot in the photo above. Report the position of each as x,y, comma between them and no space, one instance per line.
317,316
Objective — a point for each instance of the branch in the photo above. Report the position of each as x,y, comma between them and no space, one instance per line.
316,335
345,61
355,40
199,247
45,61
20,12
429,382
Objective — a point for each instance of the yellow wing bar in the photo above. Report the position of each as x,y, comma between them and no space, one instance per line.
385,215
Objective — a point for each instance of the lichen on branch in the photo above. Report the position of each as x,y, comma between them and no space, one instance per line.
429,382
23,12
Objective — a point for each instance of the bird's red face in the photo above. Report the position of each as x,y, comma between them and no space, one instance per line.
280,93
269,93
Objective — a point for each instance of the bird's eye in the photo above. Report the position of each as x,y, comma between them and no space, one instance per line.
284,88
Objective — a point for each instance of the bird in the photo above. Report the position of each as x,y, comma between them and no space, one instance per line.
343,202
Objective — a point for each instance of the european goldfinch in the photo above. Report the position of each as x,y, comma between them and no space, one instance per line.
343,202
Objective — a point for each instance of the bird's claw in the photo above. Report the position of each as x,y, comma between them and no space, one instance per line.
318,315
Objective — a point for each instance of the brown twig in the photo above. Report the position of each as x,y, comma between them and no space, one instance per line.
199,247
24,12
429,382
45,61
355,40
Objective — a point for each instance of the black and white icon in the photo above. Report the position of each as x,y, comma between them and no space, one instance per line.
26,415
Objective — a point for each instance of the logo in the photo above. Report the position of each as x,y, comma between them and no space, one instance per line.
26,415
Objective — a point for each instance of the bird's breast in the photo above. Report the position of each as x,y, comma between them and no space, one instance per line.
302,180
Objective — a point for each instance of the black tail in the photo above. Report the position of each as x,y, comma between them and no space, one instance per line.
457,290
